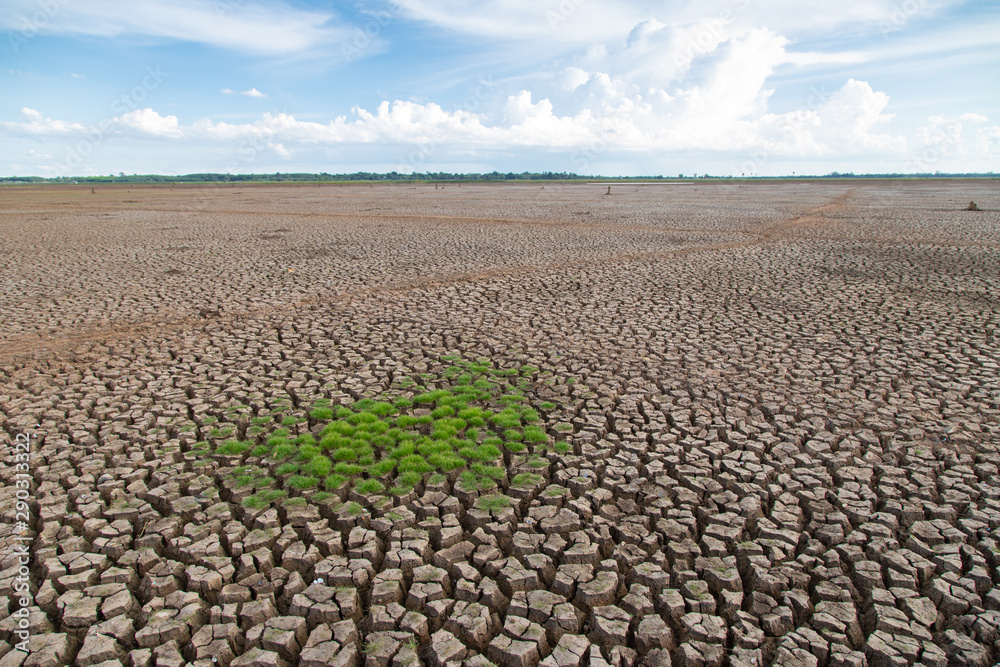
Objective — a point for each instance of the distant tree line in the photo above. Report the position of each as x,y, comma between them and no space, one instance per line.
439,176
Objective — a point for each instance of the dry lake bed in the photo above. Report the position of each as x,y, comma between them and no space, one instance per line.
708,423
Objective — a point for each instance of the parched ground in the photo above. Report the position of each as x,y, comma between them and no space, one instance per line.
716,424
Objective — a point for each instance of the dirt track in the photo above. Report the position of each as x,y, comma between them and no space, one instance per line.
772,413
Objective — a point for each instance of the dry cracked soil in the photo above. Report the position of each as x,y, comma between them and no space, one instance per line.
698,424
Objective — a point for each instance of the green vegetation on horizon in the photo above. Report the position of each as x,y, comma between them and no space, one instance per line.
495,176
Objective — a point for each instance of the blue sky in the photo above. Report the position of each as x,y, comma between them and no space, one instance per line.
611,87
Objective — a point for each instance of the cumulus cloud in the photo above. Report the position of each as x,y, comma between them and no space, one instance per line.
36,125
843,123
149,123
253,92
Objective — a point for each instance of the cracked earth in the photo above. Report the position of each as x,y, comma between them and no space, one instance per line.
698,424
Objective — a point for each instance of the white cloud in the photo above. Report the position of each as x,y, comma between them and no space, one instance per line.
964,118
36,125
250,26
148,122
253,92
587,21
843,124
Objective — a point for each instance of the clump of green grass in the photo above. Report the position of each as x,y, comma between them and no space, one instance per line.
414,463
494,502
368,487
408,480
446,462
443,411
470,481
317,466
431,396
333,482
382,468
263,498
486,453
233,447
507,418
307,452
303,482
321,414
287,468
284,451
526,479
534,434
348,469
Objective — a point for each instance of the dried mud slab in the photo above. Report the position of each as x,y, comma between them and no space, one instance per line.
707,424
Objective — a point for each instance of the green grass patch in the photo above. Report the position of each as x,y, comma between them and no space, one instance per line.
446,462
368,487
409,479
443,411
494,503
334,482
348,469
303,482
526,479
382,468
534,434
233,447
431,396
263,498
284,451
287,468
307,452
507,418
414,463
318,466
321,414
